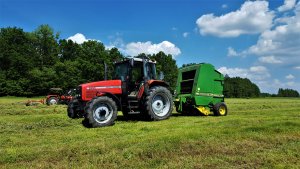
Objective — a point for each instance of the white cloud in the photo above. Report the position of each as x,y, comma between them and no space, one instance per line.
224,6
254,73
258,69
297,67
289,77
234,72
253,17
270,60
78,38
288,5
135,48
260,76
231,52
116,43
272,86
281,43
185,34
291,84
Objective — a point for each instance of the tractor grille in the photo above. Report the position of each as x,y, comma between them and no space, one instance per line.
186,85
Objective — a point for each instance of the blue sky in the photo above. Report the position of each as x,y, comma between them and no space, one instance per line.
259,40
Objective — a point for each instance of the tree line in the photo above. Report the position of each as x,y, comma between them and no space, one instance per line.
237,87
33,62
287,93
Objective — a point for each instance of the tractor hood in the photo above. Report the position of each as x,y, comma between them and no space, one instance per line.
90,90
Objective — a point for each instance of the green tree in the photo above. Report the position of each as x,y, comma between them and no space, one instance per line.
240,88
68,50
287,93
68,74
45,43
16,60
41,80
167,65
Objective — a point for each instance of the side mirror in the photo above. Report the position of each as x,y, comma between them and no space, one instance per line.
131,62
161,75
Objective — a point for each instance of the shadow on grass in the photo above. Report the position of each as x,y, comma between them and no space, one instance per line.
140,118
186,114
133,119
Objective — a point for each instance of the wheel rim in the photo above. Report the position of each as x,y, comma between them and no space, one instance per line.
53,101
222,110
103,113
160,105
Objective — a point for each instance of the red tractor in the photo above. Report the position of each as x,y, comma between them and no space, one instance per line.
57,96
134,90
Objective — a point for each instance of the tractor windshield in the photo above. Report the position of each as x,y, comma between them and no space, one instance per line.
151,70
121,71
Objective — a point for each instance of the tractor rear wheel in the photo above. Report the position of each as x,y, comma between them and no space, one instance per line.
52,101
220,109
159,104
101,111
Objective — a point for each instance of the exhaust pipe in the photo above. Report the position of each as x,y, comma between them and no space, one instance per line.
105,71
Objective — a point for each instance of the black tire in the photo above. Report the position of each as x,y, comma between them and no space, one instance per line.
101,111
72,109
220,109
52,101
158,103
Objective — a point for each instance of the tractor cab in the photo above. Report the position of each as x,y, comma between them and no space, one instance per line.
134,73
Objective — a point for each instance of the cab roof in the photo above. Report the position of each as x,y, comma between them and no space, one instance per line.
137,60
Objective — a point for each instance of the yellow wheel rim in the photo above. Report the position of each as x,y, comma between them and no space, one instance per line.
222,110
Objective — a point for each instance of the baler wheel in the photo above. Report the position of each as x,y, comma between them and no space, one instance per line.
101,112
220,109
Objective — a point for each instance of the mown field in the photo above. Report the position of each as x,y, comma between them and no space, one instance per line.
257,133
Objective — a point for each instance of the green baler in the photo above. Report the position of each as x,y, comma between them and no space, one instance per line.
200,89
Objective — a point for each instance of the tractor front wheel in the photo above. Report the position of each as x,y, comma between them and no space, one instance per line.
101,111
51,101
220,109
72,109
159,104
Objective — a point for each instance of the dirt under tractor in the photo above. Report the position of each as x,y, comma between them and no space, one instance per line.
134,90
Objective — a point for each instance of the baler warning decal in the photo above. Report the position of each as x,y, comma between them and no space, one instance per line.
210,94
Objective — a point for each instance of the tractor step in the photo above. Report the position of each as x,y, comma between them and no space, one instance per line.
131,97
134,112
133,101
133,104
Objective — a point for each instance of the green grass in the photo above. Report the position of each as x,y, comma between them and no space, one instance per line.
257,133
